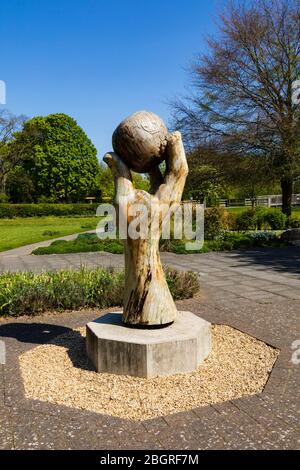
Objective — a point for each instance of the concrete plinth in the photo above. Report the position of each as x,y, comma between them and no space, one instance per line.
178,348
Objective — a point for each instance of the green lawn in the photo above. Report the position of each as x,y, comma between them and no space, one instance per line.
238,210
296,212
24,231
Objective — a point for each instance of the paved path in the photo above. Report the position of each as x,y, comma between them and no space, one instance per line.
255,291
264,274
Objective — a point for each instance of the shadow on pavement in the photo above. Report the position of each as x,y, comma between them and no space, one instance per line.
35,333
283,260
43,333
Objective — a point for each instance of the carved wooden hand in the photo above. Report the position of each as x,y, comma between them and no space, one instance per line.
148,301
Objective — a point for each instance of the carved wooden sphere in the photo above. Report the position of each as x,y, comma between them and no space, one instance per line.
141,140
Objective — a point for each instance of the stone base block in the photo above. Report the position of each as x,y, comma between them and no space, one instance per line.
178,348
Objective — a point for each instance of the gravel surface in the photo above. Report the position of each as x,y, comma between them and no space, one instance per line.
60,373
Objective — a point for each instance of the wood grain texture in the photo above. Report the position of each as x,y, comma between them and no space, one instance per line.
148,301
141,140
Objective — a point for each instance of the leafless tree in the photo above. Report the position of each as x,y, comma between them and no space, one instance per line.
9,124
213,172
242,91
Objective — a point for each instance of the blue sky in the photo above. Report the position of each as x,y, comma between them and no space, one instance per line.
99,60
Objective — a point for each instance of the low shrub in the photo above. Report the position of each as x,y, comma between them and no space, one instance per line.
215,222
87,236
182,284
293,222
89,242
275,219
246,221
3,198
87,226
264,238
9,211
230,220
84,243
45,200
229,241
51,233
173,246
232,241
261,218
31,294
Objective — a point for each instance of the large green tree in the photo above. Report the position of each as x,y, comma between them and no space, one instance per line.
60,159
244,89
107,187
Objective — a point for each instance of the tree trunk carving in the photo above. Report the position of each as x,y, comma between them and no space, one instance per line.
148,301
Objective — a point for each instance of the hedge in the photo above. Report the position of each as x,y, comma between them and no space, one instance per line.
216,221
9,211
261,218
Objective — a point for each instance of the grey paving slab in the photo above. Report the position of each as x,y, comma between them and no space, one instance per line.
6,435
263,301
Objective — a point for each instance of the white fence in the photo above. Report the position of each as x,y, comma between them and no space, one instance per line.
274,200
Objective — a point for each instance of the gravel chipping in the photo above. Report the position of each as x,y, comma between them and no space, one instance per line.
59,372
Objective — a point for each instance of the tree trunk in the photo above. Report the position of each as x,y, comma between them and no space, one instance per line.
147,300
2,187
287,193
3,180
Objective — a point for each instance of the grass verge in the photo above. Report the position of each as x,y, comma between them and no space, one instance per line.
24,231
239,210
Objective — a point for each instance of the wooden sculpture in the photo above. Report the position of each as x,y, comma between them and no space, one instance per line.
141,143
